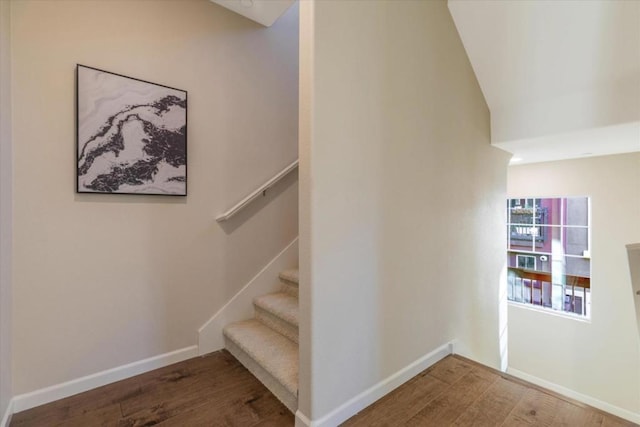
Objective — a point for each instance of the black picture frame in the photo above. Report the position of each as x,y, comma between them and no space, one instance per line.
131,135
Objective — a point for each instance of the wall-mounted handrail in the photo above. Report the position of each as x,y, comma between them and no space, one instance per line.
261,190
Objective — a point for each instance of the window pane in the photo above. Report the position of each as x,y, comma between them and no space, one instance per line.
578,267
508,237
577,299
511,260
547,290
523,261
549,211
543,263
510,289
521,211
557,269
549,240
577,211
519,290
577,241
520,238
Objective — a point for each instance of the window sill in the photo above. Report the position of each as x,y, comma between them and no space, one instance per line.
556,313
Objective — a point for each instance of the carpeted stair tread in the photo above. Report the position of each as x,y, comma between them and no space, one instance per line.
292,276
280,304
275,353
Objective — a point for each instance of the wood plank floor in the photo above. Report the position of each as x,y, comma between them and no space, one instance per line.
459,392
215,390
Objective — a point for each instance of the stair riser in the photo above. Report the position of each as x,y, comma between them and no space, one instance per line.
285,396
290,276
277,324
290,288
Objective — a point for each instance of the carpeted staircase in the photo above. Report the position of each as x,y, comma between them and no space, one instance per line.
267,345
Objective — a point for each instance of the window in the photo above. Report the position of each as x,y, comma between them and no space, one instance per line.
549,253
526,261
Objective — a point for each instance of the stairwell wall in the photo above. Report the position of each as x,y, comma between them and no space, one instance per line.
402,222
101,281
6,183
599,358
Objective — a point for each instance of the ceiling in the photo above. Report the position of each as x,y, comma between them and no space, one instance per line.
265,12
561,78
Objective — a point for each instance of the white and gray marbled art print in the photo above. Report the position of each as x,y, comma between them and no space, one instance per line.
132,135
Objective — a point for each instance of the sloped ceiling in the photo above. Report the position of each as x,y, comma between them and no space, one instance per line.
265,12
561,78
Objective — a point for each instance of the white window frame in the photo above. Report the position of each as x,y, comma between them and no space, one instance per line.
536,251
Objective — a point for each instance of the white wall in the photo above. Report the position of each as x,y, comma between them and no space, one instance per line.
402,219
5,205
104,280
600,358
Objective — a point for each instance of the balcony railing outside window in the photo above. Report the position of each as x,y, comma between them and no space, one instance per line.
571,295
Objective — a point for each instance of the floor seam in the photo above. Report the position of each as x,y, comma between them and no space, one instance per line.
514,407
477,398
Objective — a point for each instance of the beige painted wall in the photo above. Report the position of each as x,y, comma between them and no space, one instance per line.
600,358
402,219
616,104
5,205
100,280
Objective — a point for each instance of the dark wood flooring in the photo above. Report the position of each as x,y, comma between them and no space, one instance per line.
215,390
459,392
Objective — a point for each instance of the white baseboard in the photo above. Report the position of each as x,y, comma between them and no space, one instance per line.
8,413
367,397
59,391
240,307
302,420
588,400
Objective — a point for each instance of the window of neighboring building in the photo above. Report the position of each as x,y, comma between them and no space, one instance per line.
527,262
549,253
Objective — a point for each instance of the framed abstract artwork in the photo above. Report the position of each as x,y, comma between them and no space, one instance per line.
131,135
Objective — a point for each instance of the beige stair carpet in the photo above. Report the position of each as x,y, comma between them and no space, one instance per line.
268,344
279,311
290,280
264,350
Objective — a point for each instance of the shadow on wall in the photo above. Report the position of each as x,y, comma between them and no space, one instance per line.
230,225
129,198
633,252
